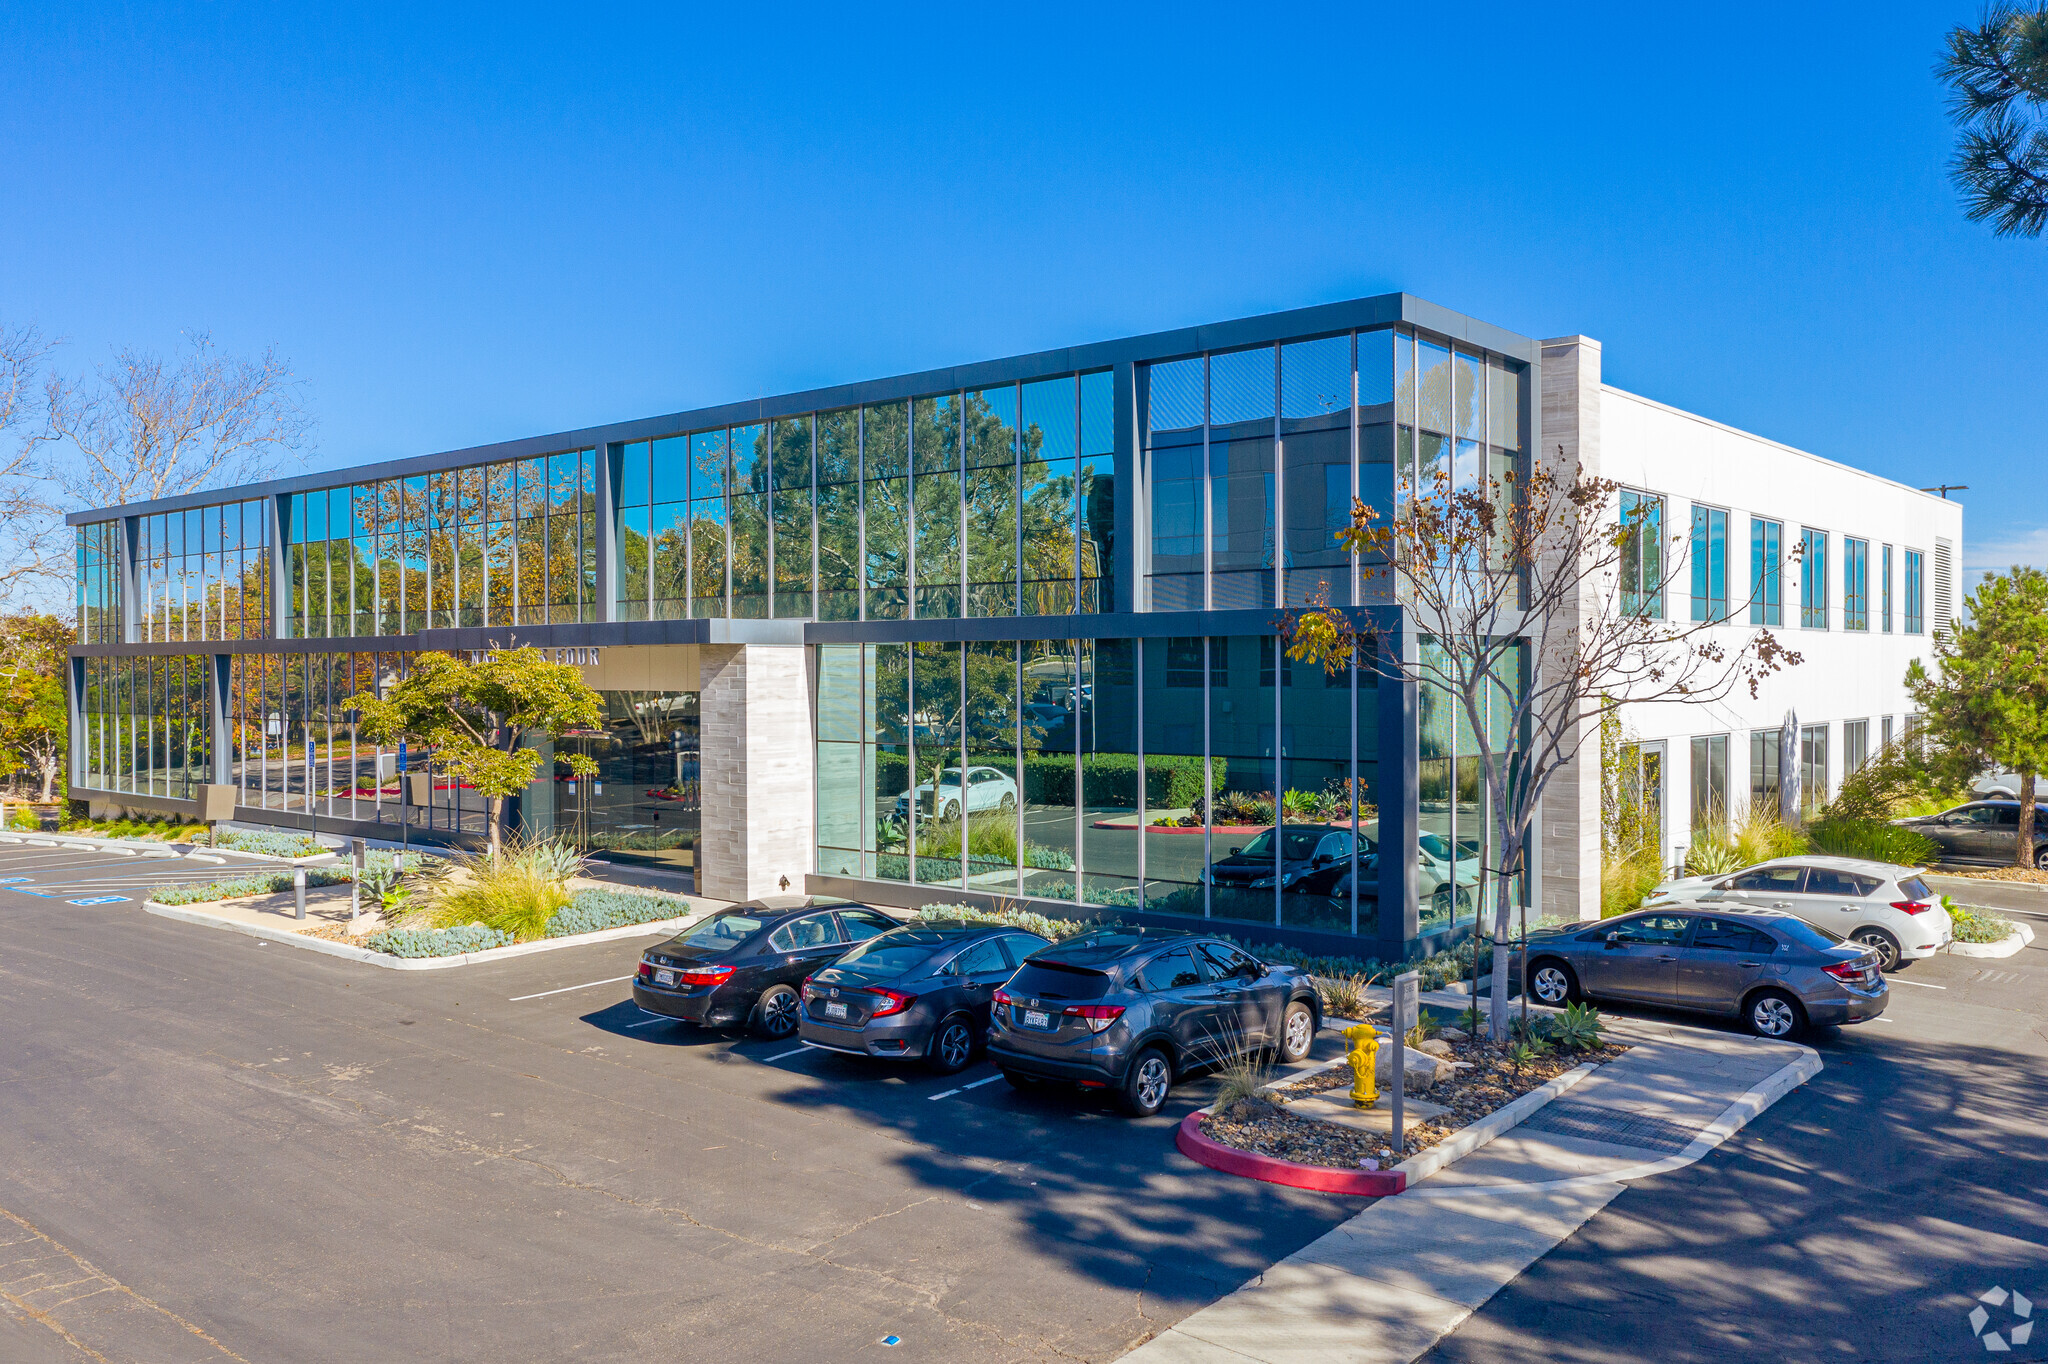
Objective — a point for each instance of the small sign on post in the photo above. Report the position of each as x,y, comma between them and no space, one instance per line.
1407,997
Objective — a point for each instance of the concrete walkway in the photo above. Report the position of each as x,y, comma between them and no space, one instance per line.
1387,1285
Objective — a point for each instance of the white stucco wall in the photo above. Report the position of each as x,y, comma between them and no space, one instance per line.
1845,675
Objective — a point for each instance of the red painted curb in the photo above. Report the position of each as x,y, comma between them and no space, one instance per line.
1322,1178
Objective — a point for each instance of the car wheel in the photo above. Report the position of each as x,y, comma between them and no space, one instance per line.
952,1045
2040,854
1775,1014
1297,1032
1148,1083
1008,803
1553,983
950,812
1880,942
776,1015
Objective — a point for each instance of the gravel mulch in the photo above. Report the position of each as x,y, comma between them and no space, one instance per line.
1486,1082
2030,875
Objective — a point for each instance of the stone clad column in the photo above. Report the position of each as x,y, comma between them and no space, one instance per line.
1570,837
757,755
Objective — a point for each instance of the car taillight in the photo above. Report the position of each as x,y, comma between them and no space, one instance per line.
1005,997
893,1002
706,975
1857,971
1912,906
1097,1016
646,970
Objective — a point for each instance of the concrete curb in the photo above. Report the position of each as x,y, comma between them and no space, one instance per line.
185,914
2012,944
76,844
237,853
1468,1139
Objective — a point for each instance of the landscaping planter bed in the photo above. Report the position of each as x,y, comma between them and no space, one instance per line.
1486,1082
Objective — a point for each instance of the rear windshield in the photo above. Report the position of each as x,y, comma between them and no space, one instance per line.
1915,888
1806,934
880,959
1298,845
1050,980
722,930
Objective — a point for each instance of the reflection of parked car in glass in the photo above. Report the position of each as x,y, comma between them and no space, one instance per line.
919,991
1434,873
987,789
1314,860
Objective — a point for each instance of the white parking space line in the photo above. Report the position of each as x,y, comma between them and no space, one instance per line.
979,1083
1921,983
949,1093
586,985
785,1055
651,1020
943,1094
1882,1019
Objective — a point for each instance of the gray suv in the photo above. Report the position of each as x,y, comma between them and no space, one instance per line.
1776,973
1131,1010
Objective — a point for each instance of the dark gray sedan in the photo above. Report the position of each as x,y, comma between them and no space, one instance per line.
1983,833
921,991
1776,973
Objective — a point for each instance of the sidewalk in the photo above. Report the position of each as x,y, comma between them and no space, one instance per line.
1384,1287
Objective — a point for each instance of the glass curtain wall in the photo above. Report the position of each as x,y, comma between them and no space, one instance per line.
202,573
99,583
885,495
935,471
1117,772
751,514
989,519
145,725
839,516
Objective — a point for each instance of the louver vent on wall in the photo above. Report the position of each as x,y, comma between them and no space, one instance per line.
1944,585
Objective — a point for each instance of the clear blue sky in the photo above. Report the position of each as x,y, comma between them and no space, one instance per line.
463,227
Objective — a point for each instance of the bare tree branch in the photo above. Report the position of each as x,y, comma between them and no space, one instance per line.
145,428
1533,603
33,555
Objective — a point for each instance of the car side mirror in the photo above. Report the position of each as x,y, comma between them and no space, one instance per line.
1322,859
1614,939
1235,851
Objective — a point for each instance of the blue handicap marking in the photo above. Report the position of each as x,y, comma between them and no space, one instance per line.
14,880
39,894
100,900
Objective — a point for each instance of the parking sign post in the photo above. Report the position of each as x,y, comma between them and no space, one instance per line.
1406,988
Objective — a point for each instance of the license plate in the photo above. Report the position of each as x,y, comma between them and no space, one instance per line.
664,977
1034,1019
835,1011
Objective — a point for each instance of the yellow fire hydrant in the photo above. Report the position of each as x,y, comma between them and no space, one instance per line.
1364,1057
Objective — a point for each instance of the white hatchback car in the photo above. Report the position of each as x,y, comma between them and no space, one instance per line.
1885,908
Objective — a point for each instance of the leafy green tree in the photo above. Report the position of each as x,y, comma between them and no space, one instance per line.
34,719
1988,704
1998,73
473,715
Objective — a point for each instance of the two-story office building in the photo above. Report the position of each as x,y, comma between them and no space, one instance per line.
997,632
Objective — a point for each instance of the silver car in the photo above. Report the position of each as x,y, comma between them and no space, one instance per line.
1885,908
1777,973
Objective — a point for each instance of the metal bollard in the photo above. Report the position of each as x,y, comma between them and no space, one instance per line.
299,891
1364,1057
355,893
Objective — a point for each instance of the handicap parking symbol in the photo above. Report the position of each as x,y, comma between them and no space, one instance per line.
14,880
100,900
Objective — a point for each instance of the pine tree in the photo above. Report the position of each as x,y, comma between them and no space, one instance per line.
1998,72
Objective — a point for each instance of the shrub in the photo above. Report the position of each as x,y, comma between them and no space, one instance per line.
437,942
1875,839
233,887
509,896
1578,1027
1974,924
1344,996
1626,883
1711,859
268,843
1897,781
590,911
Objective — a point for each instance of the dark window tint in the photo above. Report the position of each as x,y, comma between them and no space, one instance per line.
1783,880
2006,816
1652,928
1719,935
813,930
1020,946
1169,971
1914,888
1805,934
722,930
1828,881
1047,980
864,923
1224,959
886,960
980,958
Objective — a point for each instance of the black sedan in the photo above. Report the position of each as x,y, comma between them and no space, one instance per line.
915,992
1984,832
1314,859
744,965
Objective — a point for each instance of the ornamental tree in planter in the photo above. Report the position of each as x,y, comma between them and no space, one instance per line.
473,716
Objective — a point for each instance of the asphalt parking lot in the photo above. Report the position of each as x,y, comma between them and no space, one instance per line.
220,1149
